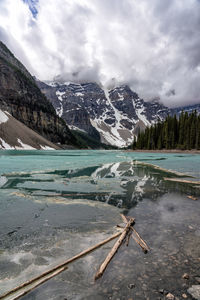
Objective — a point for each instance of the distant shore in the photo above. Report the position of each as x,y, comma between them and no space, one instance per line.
167,151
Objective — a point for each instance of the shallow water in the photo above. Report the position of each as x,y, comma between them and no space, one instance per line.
54,204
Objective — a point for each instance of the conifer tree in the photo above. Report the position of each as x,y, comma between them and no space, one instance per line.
172,133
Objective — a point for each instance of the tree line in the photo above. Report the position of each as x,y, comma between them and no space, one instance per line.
173,133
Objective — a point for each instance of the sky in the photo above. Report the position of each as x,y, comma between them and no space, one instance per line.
153,46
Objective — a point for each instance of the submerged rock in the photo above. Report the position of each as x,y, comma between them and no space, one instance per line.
197,278
194,290
169,296
161,291
131,285
185,276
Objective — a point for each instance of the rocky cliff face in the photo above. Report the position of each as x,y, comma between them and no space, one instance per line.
21,97
16,135
64,100
117,114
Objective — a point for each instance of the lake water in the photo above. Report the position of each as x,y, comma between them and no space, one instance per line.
54,204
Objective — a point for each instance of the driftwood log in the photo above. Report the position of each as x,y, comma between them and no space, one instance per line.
53,272
136,238
23,291
128,231
193,198
116,246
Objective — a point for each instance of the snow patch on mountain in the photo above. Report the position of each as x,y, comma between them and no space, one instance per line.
5,145
111,133
46,148
24,146
141,116
76,128
59,110
107,133
3,117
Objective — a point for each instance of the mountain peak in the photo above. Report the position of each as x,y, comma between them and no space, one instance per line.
115,114
21,97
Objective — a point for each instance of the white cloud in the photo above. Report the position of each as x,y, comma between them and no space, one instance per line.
151,45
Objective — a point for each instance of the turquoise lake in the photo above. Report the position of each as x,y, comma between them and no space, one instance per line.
54,204
27,161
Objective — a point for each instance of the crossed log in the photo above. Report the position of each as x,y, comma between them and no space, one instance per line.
128,231
123,235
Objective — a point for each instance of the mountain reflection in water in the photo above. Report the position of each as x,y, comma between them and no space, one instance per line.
121,184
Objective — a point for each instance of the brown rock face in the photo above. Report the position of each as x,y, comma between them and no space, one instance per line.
13,133
20,96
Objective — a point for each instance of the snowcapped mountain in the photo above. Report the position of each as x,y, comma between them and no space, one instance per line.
188,109
115,116
16,135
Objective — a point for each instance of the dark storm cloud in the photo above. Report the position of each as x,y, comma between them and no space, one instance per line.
151,45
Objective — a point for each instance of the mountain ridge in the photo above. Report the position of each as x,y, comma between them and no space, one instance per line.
117,114
21,97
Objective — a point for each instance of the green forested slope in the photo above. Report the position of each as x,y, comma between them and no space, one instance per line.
173,133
